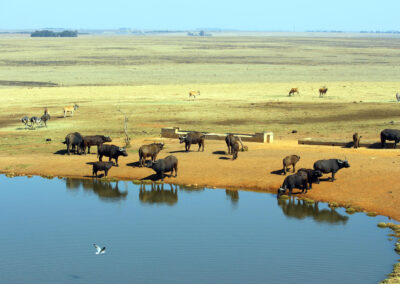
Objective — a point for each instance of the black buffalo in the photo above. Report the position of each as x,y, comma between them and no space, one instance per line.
101,166
312,175
193,138
330,166
161,166
391,135
235,150
151,151
230,140
94,140
111,151
293,181
73,140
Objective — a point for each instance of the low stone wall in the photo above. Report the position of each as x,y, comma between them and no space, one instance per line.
345,143
262,137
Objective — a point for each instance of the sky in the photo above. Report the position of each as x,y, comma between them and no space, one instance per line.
249,15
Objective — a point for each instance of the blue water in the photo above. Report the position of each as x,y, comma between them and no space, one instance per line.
180,235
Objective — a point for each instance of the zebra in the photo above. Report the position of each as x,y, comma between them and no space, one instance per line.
397,97
25,120
35,121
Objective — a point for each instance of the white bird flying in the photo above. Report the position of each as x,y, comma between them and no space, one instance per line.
99,249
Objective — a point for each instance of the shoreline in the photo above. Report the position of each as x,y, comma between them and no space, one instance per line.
370,183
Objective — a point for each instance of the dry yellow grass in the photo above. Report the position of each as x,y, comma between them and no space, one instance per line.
244,84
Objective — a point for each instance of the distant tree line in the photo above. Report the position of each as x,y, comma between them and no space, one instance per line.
47,33
200,33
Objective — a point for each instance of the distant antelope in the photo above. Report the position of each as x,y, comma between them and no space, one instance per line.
194,94
322,91
293,90
70,109
397,97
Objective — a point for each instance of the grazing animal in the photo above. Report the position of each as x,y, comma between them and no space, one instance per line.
101,166
356,140
73,140
230,140
70,109
397,97
290,161
235,150
111,151
391,135
293,90
193,94
312,175
94,140
293,181
151,151
161,166
322,91
25,120
35,121
330,166
193,138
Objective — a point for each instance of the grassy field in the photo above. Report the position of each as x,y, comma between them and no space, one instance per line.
244,84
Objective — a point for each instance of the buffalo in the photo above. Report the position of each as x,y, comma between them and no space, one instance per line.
235,150
101,166
330,166
161,166
290,161
312,175
230,140
151,151
391,135
111,151
356,140
293,181
94,140
74,140
193,138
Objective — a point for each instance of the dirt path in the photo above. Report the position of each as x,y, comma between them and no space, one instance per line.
371,182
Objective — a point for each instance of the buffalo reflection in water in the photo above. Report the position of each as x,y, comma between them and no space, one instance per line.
104,190
157,194
299,209
233,195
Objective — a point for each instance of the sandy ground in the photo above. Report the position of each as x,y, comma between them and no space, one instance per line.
371,182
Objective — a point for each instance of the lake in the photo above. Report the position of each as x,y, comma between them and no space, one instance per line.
179,234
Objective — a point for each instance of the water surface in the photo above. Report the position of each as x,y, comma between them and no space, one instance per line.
180,235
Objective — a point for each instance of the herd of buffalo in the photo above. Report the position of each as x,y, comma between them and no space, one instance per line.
303,179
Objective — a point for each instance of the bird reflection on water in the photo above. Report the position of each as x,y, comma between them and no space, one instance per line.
300,209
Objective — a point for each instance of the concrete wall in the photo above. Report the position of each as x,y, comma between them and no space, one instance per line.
262,137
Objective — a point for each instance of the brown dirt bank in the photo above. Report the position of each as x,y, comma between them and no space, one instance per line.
371,182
